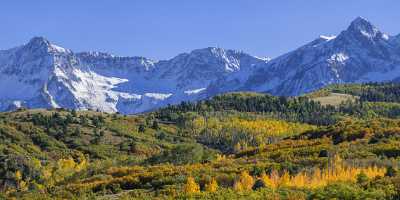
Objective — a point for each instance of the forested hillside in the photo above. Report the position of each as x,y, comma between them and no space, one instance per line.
232,146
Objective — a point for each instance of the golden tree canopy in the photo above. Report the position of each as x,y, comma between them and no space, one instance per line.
212,186
191,186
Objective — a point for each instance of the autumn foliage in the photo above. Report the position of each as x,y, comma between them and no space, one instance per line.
337,172
212,186
245,182
191,186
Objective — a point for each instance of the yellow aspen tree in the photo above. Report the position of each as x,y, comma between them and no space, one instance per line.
337,162
317,179
220,157
275,179
212,186
82,165
191,186
246,180
267,180
21,184
299,180
18,175
285,179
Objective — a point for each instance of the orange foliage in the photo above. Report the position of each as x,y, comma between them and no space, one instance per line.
319,178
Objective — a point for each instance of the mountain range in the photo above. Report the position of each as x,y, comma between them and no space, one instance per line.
41,74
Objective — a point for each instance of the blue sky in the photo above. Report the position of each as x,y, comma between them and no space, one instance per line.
161,29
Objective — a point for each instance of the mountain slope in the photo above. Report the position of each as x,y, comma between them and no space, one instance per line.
361,53
43,75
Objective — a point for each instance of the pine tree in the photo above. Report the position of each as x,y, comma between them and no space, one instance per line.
77,132
141,128
73,113
390,171
155,125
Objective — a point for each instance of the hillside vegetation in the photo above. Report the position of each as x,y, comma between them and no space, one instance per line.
233,146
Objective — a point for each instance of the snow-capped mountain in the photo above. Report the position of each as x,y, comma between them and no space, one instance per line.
40,74
43,75
361,53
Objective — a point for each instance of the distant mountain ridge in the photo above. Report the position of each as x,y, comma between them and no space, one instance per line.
361,53
40,74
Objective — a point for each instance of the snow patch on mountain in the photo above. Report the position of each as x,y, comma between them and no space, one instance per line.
385,36
338,58
93,90
195,91
158,96
59,49
327,38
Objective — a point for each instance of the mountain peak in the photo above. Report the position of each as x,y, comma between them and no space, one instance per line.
44,44
208,50
360,20
362,26
39,41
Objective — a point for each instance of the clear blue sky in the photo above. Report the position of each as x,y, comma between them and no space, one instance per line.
161,29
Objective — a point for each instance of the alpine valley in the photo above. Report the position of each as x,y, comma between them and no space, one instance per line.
40,74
